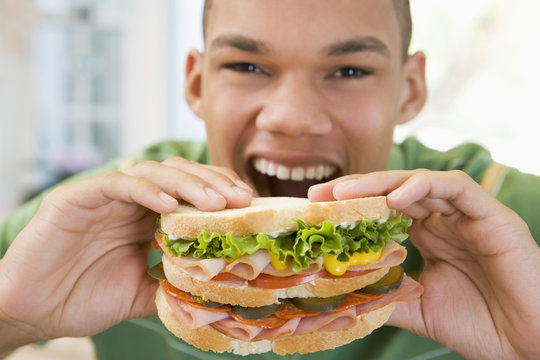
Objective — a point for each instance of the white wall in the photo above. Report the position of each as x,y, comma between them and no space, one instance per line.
146,74
483,76
187,35
16,110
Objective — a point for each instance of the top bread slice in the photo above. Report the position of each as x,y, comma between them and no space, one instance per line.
269,215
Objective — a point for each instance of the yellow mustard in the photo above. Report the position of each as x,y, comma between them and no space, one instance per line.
337,268
278,264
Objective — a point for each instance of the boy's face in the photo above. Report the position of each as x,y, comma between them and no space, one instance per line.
294,93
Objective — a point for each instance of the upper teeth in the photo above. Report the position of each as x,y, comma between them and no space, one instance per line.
297,173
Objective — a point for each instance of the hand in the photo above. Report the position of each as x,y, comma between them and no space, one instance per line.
482,267
79,266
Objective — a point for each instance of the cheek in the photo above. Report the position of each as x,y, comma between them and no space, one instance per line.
227,115
367,128
366,118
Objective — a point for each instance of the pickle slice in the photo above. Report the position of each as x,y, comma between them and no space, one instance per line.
255,313
387,283
156,272
206,303
319,304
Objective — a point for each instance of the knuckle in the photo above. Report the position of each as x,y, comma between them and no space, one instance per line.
229,172
148,163
176,161
142,166
421,171
110,176
55,193
460,175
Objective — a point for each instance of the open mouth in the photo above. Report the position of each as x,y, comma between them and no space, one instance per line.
275,179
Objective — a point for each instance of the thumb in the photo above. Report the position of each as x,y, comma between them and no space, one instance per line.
145,305
407,315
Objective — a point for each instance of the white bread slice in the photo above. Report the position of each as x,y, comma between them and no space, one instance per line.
239,293
270,215
207,338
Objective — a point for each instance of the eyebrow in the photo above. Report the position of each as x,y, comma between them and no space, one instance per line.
239,42
361,44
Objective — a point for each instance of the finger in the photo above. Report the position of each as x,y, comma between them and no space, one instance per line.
346,187
205,187
144,305
114,185
425,207
232,175
321,192
223,180
180,184
372,184
407,315
457,188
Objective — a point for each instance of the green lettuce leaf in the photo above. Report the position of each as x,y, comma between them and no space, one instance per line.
304,246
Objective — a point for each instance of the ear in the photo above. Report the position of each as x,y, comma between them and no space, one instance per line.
193,87
414,92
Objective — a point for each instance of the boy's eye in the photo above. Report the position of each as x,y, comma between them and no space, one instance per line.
350,72
243,68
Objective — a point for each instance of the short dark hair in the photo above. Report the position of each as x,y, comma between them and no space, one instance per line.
206,12
403,13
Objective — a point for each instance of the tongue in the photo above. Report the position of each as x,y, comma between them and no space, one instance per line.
289,187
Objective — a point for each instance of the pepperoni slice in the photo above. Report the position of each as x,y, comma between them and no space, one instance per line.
269,322
186,297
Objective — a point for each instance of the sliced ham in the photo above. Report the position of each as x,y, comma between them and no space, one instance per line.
327,322
236,329
191,317
285,330
200,269
249,266
407,291
313,268
392,254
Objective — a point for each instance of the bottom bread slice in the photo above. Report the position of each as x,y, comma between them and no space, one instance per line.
207,338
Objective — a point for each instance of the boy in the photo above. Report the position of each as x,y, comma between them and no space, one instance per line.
299,98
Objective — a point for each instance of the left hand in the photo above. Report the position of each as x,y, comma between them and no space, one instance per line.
482,266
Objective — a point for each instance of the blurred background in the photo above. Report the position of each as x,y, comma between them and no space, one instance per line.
83,81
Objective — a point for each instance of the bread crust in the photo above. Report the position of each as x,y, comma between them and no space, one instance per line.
207,338
270,215
239,293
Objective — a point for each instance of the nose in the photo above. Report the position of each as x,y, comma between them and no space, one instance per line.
294,107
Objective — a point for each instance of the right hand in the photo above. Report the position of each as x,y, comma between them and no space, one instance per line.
79,266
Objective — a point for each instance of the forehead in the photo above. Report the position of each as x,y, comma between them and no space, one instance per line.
305,24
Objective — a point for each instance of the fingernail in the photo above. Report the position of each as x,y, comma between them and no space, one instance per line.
213,194
346,183
241,191
242,185
167,198
395,193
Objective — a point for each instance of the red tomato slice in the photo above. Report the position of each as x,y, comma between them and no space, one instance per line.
226,277
186,297
155,245
265,281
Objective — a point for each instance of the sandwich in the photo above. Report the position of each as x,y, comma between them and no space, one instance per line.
283,275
